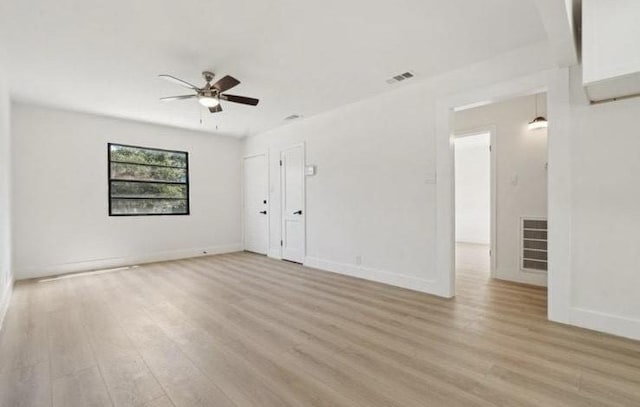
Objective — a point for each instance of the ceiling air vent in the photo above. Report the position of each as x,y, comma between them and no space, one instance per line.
400,78
534,244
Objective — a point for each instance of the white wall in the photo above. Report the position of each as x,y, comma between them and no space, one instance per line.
374,196
610,37
473,189
61,221
364,183
375,191
605,161
6,278
610,54
521,175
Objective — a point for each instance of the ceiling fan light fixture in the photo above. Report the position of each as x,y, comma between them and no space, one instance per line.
538,123
208,101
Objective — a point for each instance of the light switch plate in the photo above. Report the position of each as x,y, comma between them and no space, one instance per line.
310,170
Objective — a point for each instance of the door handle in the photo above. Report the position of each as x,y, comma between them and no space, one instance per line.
263,212
298,212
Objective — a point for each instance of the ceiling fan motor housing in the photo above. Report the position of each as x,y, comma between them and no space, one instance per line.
208,76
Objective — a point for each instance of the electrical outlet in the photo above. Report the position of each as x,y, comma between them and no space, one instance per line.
358,260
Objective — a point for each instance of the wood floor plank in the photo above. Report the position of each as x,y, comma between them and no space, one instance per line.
83,388
363,339
69,348
244,330
183,382
159,402
129,380
255,323
574,379
23,339
297,390
28,386
277,346
586,358
226,369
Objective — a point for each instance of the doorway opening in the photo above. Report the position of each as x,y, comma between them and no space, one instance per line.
474,202
500,181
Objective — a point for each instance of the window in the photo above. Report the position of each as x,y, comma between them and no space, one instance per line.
147,181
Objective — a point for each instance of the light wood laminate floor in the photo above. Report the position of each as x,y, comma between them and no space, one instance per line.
244,330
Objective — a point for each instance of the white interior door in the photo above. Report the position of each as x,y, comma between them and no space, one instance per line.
293,203
256,191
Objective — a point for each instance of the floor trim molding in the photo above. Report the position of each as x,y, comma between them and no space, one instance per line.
380,276
626,327
524,277
98,264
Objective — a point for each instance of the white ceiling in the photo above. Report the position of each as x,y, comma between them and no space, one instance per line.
296,56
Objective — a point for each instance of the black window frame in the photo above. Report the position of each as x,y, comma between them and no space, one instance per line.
186,183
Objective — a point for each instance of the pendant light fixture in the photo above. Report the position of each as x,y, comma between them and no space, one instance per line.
540,122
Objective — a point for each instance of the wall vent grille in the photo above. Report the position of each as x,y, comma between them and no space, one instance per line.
401,77
534,255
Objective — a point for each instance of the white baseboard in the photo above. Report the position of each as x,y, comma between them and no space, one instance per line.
98,264
5,300
524,277
380,276
599,321
473,241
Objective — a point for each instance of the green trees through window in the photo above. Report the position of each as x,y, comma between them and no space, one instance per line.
147,181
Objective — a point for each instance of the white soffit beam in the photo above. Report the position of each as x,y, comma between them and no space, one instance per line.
558,20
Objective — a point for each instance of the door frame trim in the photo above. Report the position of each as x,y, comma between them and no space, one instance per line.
304,198
243,196
556,82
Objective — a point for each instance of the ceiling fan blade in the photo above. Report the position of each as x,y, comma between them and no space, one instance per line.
170,98
226,83
179,82
240,99
215,109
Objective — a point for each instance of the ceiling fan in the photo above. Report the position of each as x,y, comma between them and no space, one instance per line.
210,94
